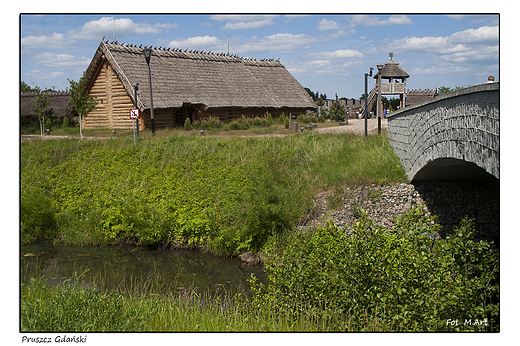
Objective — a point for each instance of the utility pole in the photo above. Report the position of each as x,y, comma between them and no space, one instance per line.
147,54
366,95
378,111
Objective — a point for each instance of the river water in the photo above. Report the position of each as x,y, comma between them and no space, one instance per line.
112,267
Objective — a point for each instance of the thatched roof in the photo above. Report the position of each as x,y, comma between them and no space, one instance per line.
199,78
392,70
58,102
417,96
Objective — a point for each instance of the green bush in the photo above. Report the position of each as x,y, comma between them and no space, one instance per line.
37,215
65,122
187,124
207,124
269,119
309,119
285,120
398,277
48,123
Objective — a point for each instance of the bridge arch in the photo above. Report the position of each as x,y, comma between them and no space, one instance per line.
452,137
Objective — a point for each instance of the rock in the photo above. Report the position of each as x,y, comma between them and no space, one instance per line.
249,258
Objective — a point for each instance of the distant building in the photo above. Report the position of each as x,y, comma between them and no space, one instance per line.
58,103
417,96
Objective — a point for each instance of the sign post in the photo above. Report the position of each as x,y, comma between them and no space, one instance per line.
134,114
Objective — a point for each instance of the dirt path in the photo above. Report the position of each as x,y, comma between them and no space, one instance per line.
356,126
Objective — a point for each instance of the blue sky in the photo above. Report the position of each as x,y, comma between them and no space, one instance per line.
328,53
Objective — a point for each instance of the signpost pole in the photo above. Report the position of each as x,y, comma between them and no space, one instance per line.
136,87
134,114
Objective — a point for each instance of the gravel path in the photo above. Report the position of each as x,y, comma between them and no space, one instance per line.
356,126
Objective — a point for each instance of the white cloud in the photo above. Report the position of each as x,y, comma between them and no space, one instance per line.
48,59
327,24
37,74
319,62
240,17
338,54
56,40
123,27
281,42
247,25
466,46
366,20
485,34
206,43
440,70
239,22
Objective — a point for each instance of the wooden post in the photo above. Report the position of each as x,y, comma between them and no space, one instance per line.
378,111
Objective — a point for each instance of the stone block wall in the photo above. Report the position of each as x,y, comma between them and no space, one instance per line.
462,125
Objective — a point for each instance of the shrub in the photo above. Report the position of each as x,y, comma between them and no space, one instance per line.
397,276
206,124
187,124
48,123
37,215
239,124
308,119
285,120
65,122
269,119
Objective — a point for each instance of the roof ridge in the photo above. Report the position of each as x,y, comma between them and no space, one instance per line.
194,54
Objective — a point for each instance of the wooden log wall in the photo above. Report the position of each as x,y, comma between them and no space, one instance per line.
231,114
163,118
113,108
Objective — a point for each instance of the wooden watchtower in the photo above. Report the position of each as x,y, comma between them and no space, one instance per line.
391,72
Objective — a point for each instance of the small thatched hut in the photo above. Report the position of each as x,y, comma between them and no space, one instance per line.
58,104
186,84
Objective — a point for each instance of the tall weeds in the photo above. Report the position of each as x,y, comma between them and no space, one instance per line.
229,195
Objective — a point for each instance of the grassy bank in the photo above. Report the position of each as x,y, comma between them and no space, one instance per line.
226,194
324,280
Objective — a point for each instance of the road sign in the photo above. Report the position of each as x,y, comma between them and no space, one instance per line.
134,113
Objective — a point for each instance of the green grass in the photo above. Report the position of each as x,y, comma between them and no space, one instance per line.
145,307
372,280
240,127
227,194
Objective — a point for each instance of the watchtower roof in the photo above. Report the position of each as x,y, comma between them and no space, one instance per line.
392,70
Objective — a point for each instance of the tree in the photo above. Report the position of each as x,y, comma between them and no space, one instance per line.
445,90
83,102
24,87
40,107
335,110
318,98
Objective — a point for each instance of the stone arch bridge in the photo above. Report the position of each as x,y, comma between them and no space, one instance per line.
451,138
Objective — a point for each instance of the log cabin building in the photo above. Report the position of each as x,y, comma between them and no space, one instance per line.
187,84
59,105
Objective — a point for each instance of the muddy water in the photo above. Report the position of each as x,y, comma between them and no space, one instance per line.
111,267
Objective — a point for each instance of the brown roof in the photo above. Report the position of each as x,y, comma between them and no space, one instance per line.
58,102
213,80
417,96
392,70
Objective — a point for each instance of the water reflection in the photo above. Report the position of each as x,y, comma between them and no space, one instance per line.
112,266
